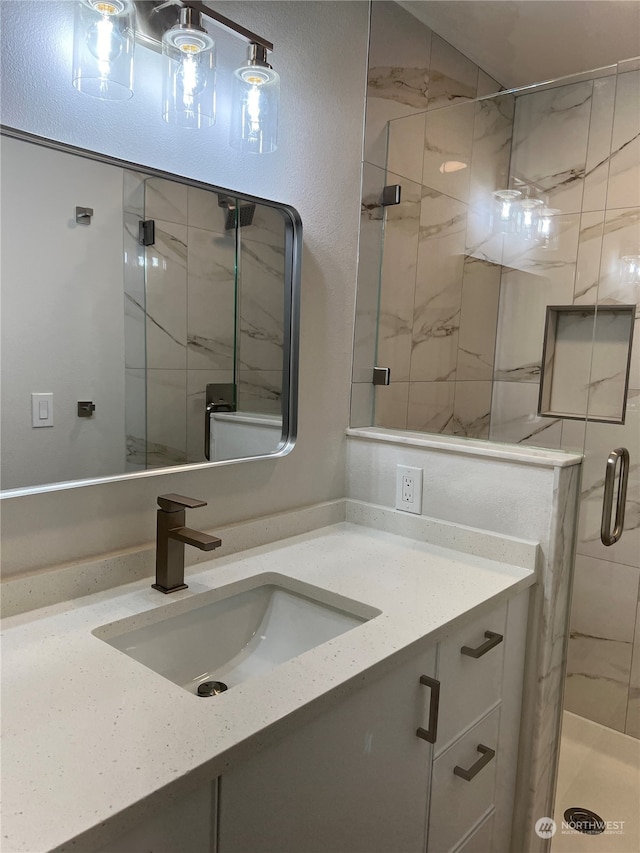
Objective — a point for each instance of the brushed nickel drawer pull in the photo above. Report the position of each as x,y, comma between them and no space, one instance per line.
431,733
485,758
493,640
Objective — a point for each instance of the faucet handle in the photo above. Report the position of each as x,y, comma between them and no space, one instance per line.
174,503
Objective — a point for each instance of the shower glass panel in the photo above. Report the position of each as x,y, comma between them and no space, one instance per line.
515,206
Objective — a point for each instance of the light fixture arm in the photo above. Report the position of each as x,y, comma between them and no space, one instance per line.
153,19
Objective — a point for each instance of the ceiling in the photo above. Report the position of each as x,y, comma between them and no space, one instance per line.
527,41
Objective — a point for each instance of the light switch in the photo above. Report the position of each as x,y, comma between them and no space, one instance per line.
41,410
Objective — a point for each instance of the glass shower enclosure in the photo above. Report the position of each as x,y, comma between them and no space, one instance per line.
506,308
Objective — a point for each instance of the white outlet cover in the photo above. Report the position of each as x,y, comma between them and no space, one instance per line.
415,475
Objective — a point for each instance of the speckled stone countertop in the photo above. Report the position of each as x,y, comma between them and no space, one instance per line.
94,742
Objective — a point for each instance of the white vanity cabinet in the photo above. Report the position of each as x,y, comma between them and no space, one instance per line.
354,780
366,776
480,669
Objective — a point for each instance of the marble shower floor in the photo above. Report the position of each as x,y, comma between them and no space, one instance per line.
599,770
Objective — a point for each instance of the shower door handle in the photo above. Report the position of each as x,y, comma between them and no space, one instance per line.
608,536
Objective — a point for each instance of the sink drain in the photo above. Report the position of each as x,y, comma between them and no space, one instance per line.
585,821
211,688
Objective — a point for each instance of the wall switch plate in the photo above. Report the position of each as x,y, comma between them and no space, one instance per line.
41,410
409,489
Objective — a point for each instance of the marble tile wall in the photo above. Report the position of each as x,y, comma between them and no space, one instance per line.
418,283
581,144
181,317
462,312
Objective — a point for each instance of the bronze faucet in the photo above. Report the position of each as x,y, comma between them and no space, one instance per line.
172,536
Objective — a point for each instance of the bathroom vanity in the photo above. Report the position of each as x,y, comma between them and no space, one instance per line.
400,733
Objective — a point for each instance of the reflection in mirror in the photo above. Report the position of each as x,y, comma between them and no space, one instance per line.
147,321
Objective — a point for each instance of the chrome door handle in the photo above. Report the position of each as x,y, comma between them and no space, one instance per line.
607,536
430,734
485,758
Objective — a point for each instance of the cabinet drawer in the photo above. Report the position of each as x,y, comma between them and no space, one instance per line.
469,686
458,804
481,839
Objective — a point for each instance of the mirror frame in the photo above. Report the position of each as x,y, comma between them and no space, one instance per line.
291,318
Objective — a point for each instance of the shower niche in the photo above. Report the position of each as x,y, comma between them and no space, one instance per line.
586,360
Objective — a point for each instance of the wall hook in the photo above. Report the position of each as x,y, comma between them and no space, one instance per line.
83,215
86,408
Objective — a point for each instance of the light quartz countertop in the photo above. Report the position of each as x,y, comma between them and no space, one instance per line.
94,742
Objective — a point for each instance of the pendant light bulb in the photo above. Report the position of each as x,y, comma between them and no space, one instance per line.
189,73
103,49
254,116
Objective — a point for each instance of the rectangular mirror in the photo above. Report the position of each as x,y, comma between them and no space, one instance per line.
148,321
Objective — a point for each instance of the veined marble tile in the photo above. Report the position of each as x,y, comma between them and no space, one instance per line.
391,404
601,438
514,419
472,409
166,417
406,147
261,306
260,391
166,297
430,407
134,294
597,684
448,141
204,211
607,382
362,403
453,76
398,40
133,192
436,318
491,151
478,320
599,144
398,282
551,130
267,226
197,381
166,200
573,435
542,277
486,84
589,253
605,597
135,413
621,237
369,267
632,726
211,305
624,170
398,75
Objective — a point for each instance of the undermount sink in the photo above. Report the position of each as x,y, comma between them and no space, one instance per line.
235,633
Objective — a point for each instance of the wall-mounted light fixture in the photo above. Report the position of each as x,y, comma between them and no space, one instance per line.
103,48
522,212
106,32
254,116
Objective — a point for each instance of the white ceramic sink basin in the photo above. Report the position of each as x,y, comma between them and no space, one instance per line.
241,633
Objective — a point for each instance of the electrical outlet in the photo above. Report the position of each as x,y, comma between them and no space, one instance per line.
409,489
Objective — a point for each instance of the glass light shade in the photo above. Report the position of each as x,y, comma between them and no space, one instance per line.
254,112
547,227
103,48
528,216
630,270
504,211
189,95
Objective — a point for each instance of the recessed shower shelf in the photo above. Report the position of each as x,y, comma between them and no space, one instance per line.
586,361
